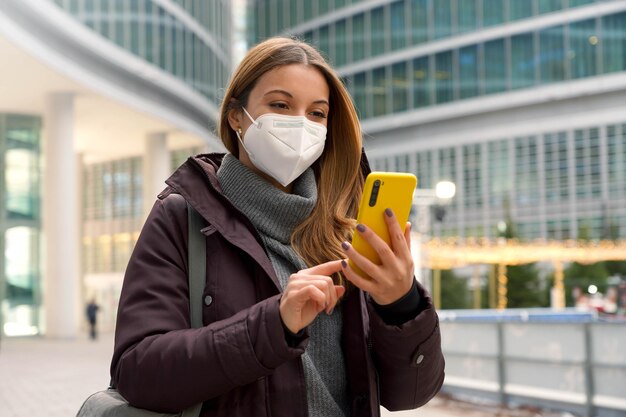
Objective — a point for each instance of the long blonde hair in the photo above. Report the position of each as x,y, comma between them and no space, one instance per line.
339,178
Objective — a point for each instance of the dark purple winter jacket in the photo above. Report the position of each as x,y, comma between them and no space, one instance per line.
239,363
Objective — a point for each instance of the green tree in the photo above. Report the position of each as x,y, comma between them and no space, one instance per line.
616,267
454,291
525,287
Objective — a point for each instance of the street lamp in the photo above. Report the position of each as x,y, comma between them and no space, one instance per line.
423,200
445,190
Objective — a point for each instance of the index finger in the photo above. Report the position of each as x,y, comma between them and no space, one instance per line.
327,268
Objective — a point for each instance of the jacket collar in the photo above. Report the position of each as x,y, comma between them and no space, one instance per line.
197,182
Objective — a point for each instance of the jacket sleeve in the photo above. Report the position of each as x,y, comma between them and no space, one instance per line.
408,357
159,363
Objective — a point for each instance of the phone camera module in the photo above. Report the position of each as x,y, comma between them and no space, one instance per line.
374,195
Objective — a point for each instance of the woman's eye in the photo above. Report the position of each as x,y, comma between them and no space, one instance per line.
279,105
318,114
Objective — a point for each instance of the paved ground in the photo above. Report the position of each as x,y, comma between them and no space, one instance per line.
44,377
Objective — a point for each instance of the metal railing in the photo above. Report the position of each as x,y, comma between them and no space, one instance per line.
575,364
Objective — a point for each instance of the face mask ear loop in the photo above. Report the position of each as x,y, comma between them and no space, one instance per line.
254,122
241,141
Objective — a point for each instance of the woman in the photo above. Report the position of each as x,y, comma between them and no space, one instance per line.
290,329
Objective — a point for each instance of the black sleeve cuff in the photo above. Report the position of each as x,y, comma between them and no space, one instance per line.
402,310
293,339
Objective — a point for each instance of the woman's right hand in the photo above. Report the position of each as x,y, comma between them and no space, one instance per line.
308,293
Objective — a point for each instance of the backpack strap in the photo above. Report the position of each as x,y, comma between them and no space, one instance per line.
196,260
196,255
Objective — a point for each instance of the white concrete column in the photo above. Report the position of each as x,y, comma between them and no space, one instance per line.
156,168
61,219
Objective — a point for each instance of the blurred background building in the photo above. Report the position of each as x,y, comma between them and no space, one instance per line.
519,103
99,100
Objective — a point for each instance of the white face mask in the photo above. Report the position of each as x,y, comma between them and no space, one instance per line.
282,146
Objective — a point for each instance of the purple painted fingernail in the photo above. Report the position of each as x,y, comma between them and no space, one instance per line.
388,212
360,228
344,264
345,245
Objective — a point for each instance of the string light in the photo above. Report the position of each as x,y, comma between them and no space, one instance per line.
451,253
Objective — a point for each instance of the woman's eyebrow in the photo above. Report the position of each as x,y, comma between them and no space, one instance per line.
288,94
279,92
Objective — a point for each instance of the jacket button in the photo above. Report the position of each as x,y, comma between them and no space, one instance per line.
419,359
208,300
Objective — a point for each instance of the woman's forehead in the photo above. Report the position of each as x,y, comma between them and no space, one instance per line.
298,80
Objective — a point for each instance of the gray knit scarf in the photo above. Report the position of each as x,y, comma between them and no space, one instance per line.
275,214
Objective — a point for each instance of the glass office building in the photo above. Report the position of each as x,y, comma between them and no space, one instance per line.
517,102
165,60
190,39
20,222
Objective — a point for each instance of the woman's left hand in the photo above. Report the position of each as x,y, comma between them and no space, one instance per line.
393,278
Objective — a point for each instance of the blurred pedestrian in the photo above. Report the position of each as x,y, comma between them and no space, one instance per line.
92,313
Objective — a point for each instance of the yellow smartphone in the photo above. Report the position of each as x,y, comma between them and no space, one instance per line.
382,190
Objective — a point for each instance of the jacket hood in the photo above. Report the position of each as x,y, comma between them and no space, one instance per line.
196,180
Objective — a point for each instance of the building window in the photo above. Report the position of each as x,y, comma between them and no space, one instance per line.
495,67
443,18
556,167
379,92
424,170
113,189
422,83
499,174
583,48
552,57
467,16
359,94
547,6
468,72
614,42
444,82
399,85
358,37
520,9
20,181
340,57
398,27
19,136
324,41
526,172
493,12
616,157
21,272
419,21
378,34
472,176
522,61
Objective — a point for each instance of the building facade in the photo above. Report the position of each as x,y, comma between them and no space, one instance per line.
519,103
112,95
